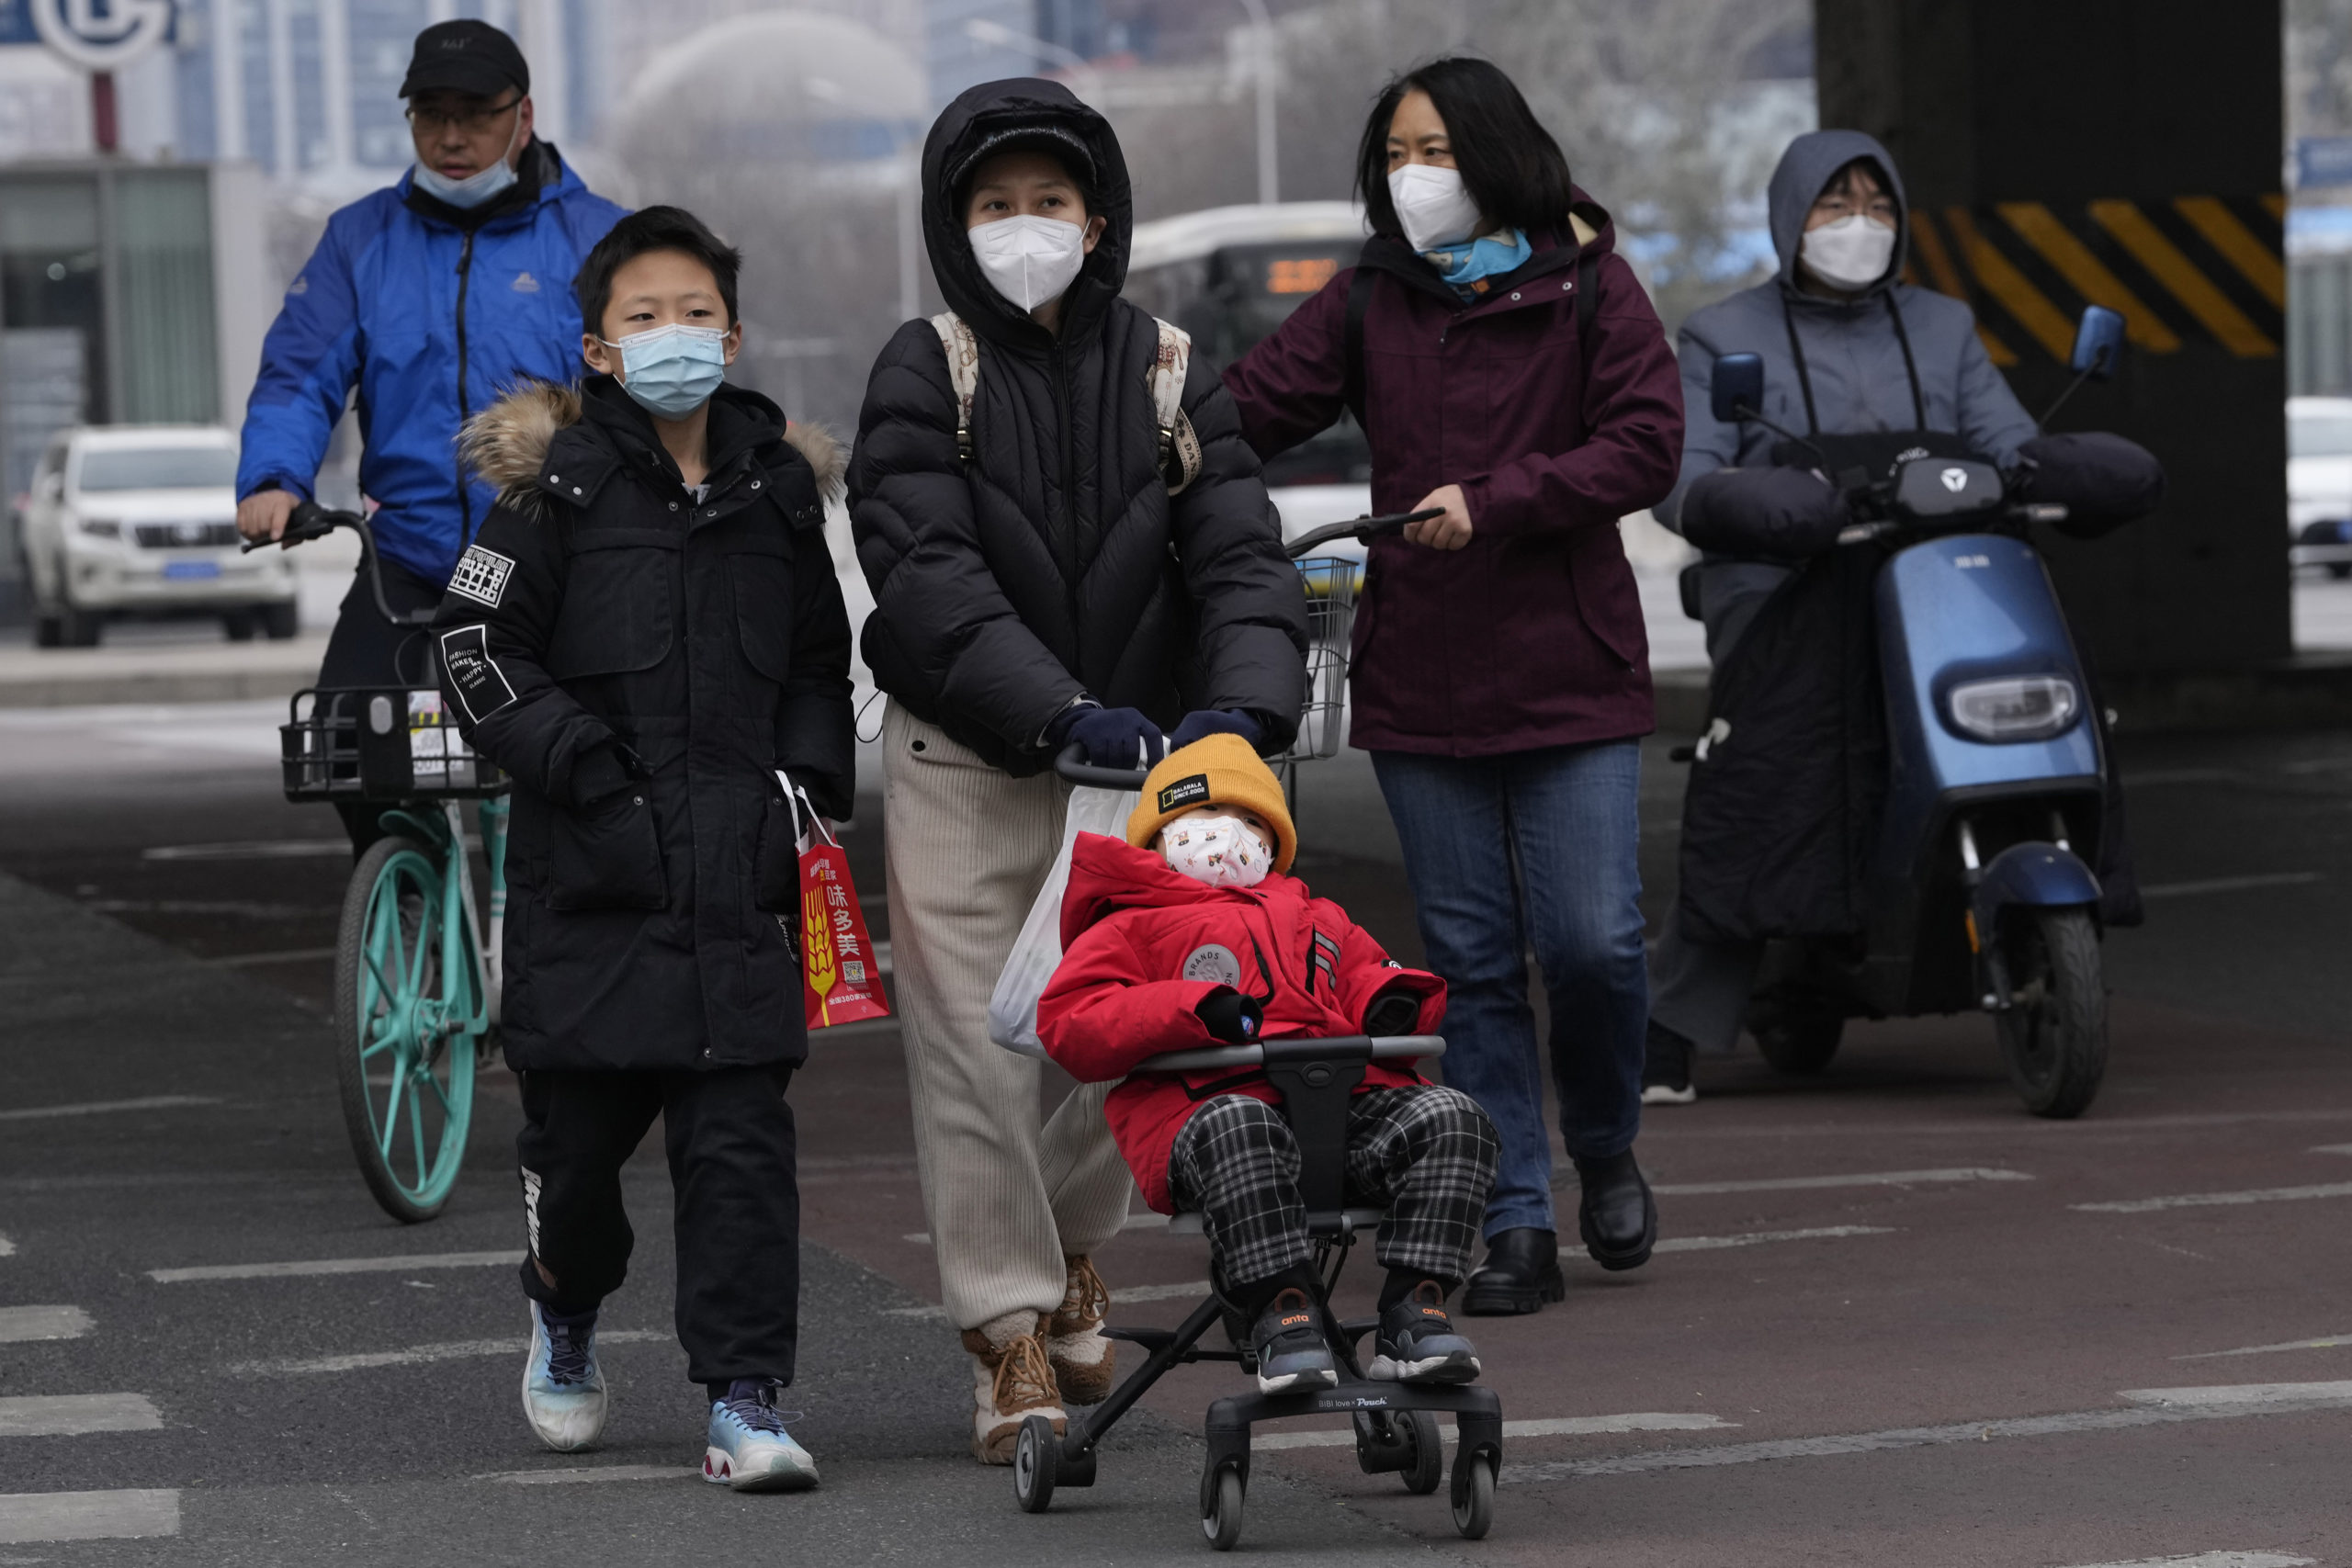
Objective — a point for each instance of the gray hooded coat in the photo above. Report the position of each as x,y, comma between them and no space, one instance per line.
1853,359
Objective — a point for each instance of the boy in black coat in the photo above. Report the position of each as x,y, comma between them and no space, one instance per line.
646,629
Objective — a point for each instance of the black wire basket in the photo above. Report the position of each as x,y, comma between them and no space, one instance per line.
379,743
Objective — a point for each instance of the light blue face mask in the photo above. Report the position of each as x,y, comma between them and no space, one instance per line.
672,370
475,189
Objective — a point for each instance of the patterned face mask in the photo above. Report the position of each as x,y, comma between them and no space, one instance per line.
1223,852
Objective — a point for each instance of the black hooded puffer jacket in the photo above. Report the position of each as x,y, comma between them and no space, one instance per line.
1055,564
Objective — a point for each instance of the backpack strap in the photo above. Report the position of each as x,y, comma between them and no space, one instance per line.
1178,442
963,372
1352,341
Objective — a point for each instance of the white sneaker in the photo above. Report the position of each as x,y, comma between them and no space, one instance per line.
563,1389
749,1449
1667,1094
1011,1380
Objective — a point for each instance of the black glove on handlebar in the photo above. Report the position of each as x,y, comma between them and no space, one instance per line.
1230,1015
2102,479
1215,721
1392,1012
1110,736
1777,512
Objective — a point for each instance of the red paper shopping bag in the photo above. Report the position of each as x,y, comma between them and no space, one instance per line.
841,980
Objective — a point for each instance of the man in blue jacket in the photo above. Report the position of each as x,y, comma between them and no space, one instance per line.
431,298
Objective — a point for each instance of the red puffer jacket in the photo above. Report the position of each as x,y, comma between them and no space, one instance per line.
1143,945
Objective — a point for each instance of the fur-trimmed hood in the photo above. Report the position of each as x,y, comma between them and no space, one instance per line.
507,442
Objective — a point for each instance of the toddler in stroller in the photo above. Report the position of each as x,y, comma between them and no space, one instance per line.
1188,937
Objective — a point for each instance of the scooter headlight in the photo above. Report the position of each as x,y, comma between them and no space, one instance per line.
2015,707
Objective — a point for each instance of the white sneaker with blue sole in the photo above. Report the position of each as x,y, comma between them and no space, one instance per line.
563,1389
749,1450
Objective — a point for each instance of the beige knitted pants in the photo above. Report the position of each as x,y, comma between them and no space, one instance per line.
968,848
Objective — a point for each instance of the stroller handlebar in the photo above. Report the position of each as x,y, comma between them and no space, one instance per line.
1364,530
1360,1046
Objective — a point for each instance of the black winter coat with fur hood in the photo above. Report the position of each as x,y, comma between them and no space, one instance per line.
641,662
1055,563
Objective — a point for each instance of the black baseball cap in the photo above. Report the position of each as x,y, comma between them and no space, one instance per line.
465,56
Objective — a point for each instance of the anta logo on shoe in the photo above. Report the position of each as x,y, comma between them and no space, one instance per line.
1298,1320
1437,1313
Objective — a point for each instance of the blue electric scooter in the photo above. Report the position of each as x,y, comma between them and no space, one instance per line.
1976,895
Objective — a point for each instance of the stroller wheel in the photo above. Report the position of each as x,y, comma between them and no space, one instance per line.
1474,1496
1037,1464
1426,1466
1221,1521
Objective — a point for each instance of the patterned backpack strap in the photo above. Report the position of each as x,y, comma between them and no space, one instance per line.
1177,440
963,371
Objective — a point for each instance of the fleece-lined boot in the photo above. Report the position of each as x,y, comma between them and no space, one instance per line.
1083,1360
1011,1380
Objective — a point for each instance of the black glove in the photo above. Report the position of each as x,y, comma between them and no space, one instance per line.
1784,513
1205,722
1391,1013
1110,736
2102,479
1230,1015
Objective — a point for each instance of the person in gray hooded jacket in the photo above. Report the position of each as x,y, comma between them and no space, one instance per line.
1850,350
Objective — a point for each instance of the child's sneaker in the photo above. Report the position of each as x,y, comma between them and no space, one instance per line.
1417,1343
563,1389
1292,1353
749,1450
1011,1380
1082,1359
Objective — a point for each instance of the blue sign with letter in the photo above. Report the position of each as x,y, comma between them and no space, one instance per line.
2322,160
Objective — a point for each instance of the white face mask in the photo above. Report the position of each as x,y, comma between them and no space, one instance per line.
1432,205
1851,252
483,186
1030,260
1223,852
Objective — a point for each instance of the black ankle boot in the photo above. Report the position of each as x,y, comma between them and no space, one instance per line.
1617,1217
1521,1272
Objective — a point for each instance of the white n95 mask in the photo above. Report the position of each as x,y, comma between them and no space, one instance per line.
1030,260
1432,205
1223,852
1851,252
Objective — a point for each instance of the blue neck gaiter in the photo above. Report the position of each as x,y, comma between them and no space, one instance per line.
1468,268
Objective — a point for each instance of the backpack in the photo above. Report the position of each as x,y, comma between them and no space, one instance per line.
1178,443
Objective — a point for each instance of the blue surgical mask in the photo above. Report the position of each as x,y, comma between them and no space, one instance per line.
672,370
475,189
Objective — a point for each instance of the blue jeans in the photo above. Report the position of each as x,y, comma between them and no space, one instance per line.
1532,849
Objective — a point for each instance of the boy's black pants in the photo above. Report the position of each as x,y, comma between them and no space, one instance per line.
731,1146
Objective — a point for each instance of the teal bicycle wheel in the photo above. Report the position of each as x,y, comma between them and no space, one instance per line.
403,1024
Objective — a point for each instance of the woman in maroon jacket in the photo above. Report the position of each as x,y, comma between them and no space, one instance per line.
1508,369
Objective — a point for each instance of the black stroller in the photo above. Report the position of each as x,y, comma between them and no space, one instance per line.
1396,1423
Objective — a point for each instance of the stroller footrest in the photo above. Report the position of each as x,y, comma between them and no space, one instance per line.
1149,1338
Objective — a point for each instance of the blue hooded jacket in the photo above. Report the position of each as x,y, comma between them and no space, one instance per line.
431,321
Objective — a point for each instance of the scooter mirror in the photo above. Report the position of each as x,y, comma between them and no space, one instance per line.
2098,343
1735,388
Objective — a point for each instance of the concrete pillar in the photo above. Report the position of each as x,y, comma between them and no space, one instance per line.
2123,152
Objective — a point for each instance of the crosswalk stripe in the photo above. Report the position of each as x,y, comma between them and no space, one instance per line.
106,1107
1543,1426
2247,1395
2217,1200
421,1355
28,1518
1758,1238
20,1324
2332,1342
400,1264
72,1415
2214,1560
589,1473
1858,1179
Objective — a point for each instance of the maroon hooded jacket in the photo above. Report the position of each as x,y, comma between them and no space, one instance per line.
1531,636
1143,946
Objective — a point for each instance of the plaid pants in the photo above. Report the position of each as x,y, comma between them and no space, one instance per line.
1425,1153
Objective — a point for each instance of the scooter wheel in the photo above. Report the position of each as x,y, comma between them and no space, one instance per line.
2054,1036
1037,1465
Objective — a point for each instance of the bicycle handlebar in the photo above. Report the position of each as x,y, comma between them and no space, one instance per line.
310,521
1361,529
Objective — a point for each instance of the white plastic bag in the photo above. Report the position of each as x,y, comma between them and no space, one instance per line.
1038,953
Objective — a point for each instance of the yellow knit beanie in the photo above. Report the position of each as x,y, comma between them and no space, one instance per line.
1217,769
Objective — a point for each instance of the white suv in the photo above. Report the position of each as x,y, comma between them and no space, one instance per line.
142,521
2319,483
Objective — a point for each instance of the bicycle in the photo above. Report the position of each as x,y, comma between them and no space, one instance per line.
416,975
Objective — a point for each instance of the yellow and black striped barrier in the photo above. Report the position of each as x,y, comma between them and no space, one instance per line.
2195,268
